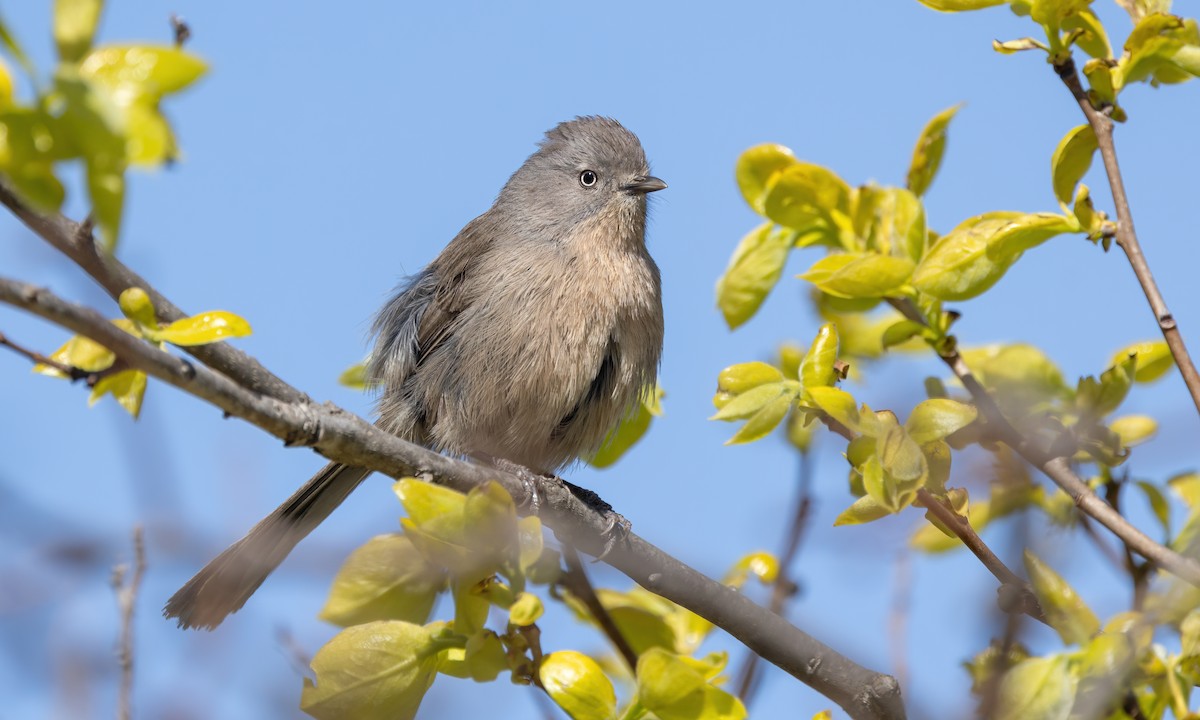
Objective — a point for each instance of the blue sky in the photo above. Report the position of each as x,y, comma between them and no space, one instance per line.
333,149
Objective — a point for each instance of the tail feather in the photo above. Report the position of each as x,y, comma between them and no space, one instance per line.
226,583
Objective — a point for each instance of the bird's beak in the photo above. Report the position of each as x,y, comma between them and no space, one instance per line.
644,184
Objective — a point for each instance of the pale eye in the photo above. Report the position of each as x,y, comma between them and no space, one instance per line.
587,178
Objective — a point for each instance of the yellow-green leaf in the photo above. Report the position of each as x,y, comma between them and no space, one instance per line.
385,579
75,26
427,503
675,688
525,610
892,220
960,5
1071,161
577,684
1066,612
864,510
1008,47
737,379
859,275
763,421
136,306
936,418
804,197
817,367
1134,429
1088,32
753,271
354,377
973,256
931,145
755,168
1040,687
762,565
753,400
376,671
630,430
209,327
127,387
1153,359
837,404
79,352
149,70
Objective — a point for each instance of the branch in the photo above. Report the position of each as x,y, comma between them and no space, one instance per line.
126,587
76,242
1059,469
346,438
1102,126
784,587
576,581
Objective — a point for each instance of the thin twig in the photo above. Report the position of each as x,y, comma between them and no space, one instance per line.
1059,469
1015,594
784,587
346,438
1102,126
39,359
898,618
576,581
126,587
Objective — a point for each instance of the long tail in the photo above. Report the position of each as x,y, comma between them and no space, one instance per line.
226,583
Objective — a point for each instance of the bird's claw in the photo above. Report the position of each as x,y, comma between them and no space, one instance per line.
616,529
529,482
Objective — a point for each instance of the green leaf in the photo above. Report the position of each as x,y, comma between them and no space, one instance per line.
428,505
817,367
79,352
385,579
631,429
1071,161
1154,359
1152,47
209,327
935,419
879,486
576,684
1066,612
106,189
755,169
1015,369
1098,398
1040,687
961,5
859,275
136,305
75,26
805,197
864,510
973,256
753,271
753,400
127,387
377,671
931,145
763,421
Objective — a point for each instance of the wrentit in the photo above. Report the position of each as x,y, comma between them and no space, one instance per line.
525,342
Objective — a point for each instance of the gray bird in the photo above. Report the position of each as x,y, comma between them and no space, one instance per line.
526,341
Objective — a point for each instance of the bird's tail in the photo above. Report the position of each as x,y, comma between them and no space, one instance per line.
226,583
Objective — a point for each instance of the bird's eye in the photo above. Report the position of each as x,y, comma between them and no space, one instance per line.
587,178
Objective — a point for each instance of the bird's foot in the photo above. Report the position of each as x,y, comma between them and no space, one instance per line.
529,481
616,527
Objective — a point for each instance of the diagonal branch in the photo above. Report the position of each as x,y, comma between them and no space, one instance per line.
1059,469
76,242
346,438
1102,126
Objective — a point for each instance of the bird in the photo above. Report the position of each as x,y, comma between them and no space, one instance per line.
523,344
